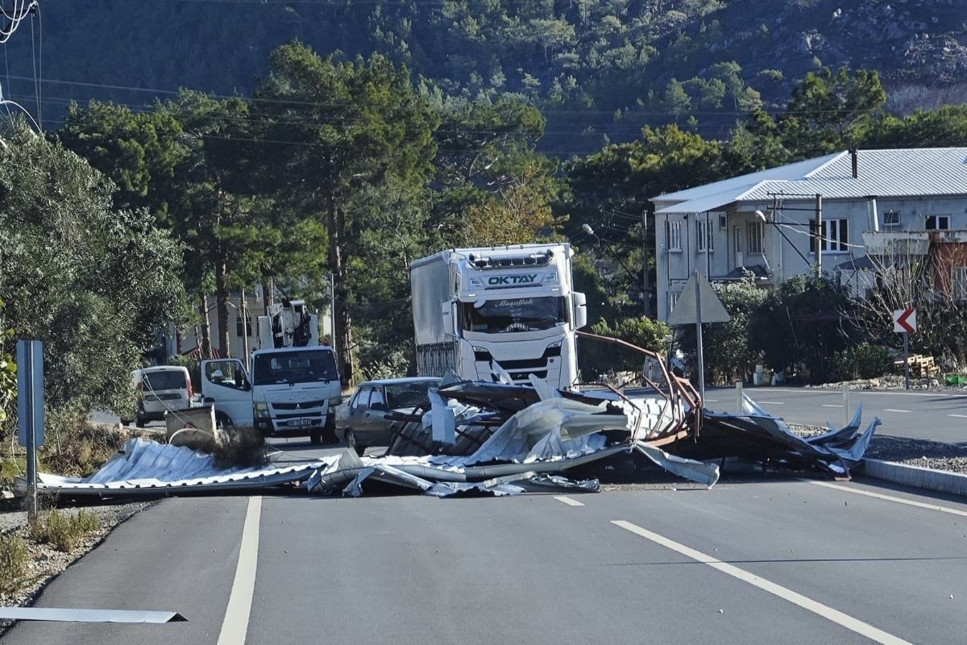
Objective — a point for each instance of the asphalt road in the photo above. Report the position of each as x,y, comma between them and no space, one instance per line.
935,416
773,561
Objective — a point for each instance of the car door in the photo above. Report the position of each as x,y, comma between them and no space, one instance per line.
225,385
375,424
358,408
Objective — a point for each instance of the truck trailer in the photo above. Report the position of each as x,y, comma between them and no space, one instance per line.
493,313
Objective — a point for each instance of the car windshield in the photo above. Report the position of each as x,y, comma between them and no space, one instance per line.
166,380
296,366
408,395
513,314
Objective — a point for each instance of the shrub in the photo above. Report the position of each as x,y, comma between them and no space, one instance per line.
63,531
862,361
13,561
607,357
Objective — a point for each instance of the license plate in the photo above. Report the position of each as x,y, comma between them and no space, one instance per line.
300,422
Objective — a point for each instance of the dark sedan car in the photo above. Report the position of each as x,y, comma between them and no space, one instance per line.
361,422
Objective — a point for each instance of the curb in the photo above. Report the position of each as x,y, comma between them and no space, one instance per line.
941,481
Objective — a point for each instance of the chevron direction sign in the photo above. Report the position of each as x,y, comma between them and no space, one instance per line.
905,321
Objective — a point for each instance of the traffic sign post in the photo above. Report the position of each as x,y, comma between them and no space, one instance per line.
905,322
698,304
30,411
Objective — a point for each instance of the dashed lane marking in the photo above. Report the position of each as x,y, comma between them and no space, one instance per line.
894,410
235,625
567,500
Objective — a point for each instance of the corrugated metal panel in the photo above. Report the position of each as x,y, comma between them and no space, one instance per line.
884,173
146,465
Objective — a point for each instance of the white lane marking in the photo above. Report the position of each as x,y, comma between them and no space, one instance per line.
833,615
818,391
895,410
567,500
711,400
771,402
891,498
830,405
959,416
235,625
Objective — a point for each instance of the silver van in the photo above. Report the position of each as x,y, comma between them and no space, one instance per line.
162,388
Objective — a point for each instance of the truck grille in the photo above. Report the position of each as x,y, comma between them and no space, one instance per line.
301,405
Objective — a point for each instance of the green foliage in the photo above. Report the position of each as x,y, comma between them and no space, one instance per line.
75,447
729,352
96,285
8,378
63,530
602,357
14,559
800,326
862,361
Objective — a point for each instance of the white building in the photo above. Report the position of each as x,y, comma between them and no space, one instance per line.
765,223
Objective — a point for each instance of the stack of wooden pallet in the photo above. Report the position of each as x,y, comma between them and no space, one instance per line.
920,366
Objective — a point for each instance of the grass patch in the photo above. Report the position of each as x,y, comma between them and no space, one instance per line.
63,531
14,559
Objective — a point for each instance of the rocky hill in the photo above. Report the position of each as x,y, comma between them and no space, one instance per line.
599,69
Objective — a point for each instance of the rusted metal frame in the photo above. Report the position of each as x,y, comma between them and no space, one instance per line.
674,387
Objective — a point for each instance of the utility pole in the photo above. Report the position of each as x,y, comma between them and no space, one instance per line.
820,236
645,282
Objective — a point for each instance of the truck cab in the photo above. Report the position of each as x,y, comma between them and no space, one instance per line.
292,392
294,385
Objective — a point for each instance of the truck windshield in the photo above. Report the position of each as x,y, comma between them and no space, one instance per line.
296,366
513,314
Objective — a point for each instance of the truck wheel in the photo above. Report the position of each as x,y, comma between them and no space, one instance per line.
315,437
351,442
139,421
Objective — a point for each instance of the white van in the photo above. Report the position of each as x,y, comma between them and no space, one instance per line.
160,389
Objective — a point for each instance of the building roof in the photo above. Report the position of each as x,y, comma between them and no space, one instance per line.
913,172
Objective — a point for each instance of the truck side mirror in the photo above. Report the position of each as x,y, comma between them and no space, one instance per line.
580,313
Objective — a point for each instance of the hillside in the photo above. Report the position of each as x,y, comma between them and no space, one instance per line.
598,69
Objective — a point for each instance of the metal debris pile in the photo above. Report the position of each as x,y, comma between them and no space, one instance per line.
504,439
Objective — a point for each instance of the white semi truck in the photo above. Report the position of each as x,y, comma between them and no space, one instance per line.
294,386
510,310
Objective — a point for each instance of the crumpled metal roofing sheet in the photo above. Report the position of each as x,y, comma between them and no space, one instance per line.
145,465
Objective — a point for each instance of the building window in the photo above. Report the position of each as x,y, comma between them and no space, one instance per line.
723,222
834,236
673,233
704,236
891,219
937,222
672,300
754,234
960,284
238,326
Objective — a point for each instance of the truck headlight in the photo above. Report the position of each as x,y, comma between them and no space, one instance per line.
261,410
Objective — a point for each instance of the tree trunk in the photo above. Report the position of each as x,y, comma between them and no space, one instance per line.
206,329
336,223
221,298
269,293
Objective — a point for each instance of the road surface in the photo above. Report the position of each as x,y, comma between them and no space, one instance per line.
770,561
935,416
